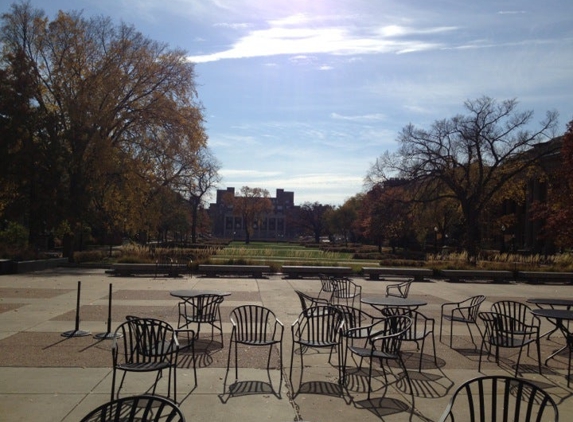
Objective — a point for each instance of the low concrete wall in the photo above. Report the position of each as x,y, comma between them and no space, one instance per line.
19,267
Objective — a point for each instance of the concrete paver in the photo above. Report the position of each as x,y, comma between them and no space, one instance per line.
52,378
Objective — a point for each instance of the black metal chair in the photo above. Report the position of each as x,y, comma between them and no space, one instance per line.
500,398
326,287
422,327
308,303
521,312
200,310
504,331
346,291
164,264
145,345
399,289
465,311
256,326
318,329
384,343
144,408
355,318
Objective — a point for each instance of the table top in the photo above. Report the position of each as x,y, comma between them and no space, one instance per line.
551,301
554,313
393,301
194,293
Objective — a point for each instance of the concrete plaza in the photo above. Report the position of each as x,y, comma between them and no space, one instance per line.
47,376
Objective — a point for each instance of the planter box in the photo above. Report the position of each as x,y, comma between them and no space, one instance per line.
37,265
419,274
299,271
456,276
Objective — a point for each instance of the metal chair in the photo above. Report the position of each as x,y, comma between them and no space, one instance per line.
318,329
345,291
256,326
201,309
326,287
144,408
465,311
500,398
384,343
145,345
422,327
399,289
505,331
307,302
355,318
521,312
164,264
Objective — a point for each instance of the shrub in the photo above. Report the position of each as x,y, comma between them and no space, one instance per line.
88,256
14,235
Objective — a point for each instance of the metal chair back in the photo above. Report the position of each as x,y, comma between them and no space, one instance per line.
326,287
386,336
253,324
517,310
502,399
308,302
345,290
145,341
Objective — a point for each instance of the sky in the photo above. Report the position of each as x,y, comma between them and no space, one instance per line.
304,95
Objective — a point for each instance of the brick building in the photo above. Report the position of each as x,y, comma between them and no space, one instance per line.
524,235
276,225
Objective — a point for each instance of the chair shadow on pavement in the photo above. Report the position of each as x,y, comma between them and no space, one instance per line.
324,388
247,388
424,385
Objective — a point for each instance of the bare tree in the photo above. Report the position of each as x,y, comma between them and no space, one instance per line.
468,158
195,185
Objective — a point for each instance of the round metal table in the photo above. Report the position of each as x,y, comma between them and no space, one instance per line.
552,303
191,293
393,302
556,317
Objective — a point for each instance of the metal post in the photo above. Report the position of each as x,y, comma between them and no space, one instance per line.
77,332
109,334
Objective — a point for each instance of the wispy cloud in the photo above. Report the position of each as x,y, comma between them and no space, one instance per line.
359,118
511,12
234,173
294,35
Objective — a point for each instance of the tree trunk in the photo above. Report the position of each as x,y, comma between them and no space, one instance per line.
473,237
194,212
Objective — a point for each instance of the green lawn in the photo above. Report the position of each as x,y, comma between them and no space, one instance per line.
285,254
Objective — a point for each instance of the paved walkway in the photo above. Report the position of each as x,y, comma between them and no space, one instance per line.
46,376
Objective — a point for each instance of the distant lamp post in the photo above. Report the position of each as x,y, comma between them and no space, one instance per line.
503,228
436,239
